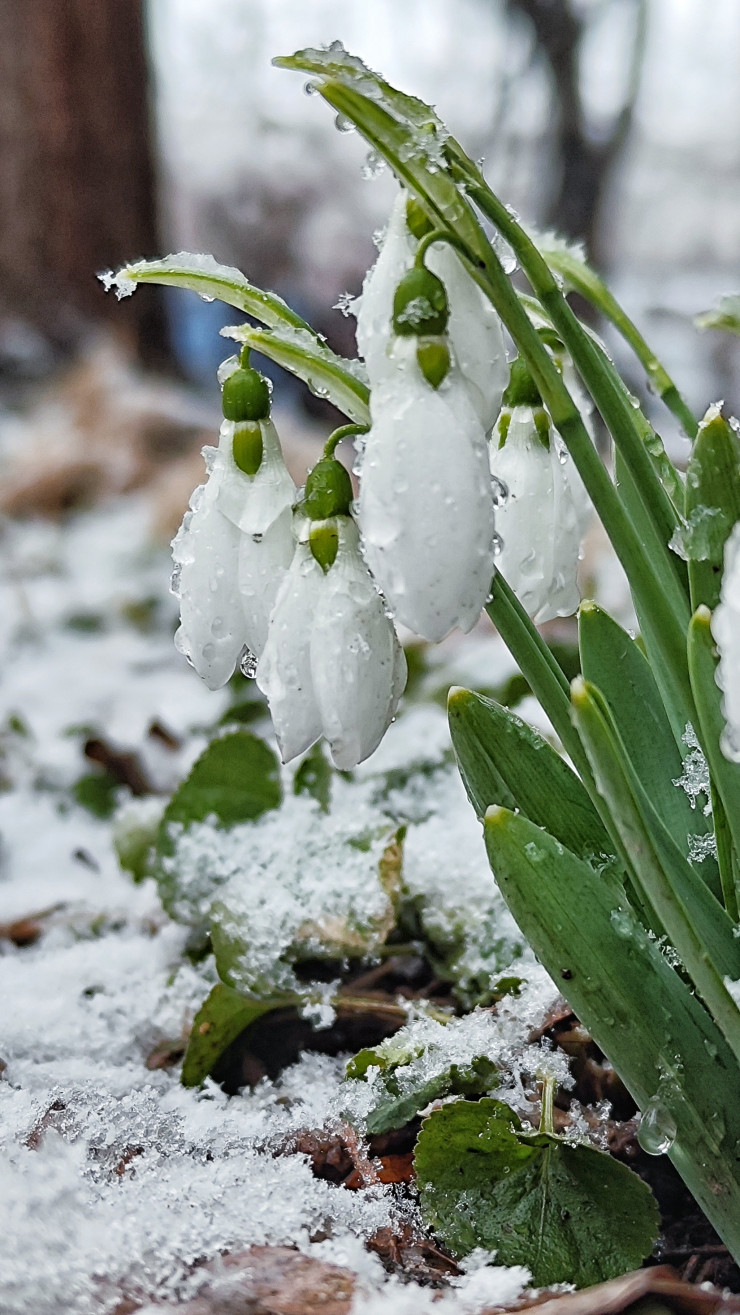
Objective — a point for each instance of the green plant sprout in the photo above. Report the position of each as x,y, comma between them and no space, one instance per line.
477,476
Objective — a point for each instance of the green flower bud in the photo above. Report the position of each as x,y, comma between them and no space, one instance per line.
246,396
420,304
522,389
416,219
433,356
248,446
323,540
328,490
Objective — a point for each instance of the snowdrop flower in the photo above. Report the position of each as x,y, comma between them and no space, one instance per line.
726,632
425,505
474,329
544,517
236,542
332,664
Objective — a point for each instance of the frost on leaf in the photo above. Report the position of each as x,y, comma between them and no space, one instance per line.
568,1212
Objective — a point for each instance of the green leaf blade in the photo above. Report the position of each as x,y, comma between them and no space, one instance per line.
613,974
224,1014
503,760
568,1213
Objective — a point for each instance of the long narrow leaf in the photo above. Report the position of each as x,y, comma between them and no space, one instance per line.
504,760
655,1032
614,663
326,374
696,924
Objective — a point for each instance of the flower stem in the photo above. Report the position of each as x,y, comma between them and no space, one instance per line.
344,431
584,280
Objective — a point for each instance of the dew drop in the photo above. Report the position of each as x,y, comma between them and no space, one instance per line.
310,88
499,491
248,663
657,1131
497,544
343,124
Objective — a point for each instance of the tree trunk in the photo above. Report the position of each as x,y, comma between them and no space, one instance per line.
76,174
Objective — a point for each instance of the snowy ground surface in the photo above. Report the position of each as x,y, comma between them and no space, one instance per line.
114,1180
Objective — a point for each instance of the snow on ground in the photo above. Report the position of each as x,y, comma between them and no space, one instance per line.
113,1178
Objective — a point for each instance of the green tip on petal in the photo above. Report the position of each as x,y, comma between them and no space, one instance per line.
246,396
248,446
328,491
542,425
433,356
420,304
502,427
323,540
522,389
417,220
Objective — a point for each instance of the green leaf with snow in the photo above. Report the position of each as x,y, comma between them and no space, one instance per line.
712,505
725,315
326,375
570,1213
308,886
219,1021
212,281
235,780
405,1080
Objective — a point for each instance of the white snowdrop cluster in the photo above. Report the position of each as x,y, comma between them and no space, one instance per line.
295,592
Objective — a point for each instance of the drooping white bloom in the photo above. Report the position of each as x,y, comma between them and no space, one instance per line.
425,507
726,632
332,664
545,516
474,329
230,555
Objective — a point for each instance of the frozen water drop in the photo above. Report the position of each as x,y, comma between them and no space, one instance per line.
175,580
497,544
205,297
248,663
657,1131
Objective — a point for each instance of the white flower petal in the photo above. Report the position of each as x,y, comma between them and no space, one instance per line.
263,560
374,327
543,521
205,552
253,502
426,511
726,632
284,669
358,666
475,333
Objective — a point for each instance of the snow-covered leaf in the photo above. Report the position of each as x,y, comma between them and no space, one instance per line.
570,1213
406,1077
326,374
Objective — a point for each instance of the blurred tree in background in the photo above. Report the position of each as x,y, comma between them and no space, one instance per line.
76,172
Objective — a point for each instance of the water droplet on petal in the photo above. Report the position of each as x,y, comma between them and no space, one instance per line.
310,88
499,491
248,663
497,544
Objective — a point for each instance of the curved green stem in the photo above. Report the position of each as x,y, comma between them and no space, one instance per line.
344,431
439,235
585,281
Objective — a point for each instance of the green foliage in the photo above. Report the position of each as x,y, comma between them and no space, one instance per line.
98,792
219,1021
313,777
402,1087
568,1212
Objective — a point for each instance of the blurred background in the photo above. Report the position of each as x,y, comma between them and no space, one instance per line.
132,128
